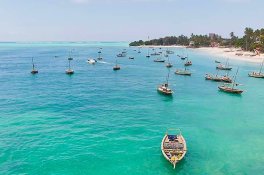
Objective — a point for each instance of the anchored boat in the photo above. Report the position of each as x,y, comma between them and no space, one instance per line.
173,147
116,67
69,71
224,67
230,88
99,54
169,65
183,72
164,88
33,71
257,74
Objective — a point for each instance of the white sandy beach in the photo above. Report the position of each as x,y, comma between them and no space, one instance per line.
231,54
217,52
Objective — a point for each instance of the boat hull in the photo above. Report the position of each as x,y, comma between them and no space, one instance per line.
173,155
230,90
256,75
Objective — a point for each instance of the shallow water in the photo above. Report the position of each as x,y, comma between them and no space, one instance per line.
98,121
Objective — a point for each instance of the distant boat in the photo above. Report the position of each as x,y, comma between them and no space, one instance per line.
139,50
122,54
217,61
169,65
155,53
69,71
257,74
91,61
148,53
100,54
183,72
229,88
131,58
213,77
224,67
33,71
169,51
188,63
173,147
164,88
116,67
159,60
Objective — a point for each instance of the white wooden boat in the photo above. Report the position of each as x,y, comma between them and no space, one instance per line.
173,147
257,74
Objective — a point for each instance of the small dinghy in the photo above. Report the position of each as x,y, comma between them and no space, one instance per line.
173,147
183,72
91,61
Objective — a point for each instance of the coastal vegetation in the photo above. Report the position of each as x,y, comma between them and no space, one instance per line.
252,40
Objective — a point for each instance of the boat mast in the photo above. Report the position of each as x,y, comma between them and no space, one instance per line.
167,80
261,67
235,79
33,65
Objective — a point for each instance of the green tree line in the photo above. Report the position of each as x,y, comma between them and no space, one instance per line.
252,39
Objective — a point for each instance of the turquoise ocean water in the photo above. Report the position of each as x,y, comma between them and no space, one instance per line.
98,121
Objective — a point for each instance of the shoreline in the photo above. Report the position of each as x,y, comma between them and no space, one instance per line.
231,53
216,52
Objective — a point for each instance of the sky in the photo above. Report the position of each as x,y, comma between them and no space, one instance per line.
124,20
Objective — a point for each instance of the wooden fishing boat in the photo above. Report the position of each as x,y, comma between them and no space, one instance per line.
173,147
212,77
33,71
116,67
183,72
229,88
69,71
159,60
224,67
226,79
164,88
257,74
